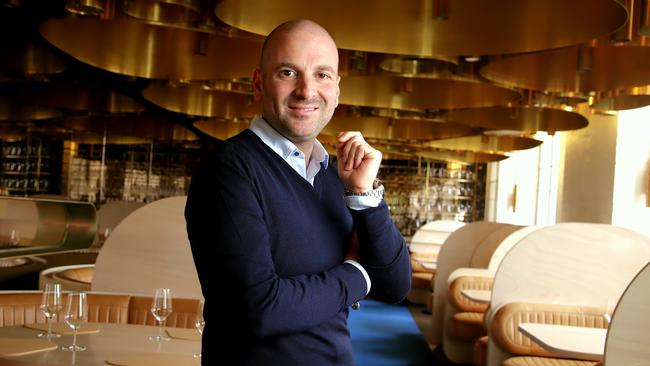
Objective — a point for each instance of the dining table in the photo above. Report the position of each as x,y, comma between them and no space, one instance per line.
106,344
582,343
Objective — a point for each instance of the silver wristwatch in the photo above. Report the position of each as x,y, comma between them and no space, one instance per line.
376,192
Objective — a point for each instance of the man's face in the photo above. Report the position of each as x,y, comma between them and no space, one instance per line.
299,84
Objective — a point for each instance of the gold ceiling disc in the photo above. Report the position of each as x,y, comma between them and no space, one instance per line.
397,129
525,119
574,69
163,11
221,129
28,58
417,93
622,100
490,144
81,97
12,109
135,48
197,100
437,27
469,157
123,129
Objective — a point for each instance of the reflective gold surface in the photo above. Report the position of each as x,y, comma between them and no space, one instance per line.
574,69
415,93
27,57
163,11
13,109
461,156
397,129
624,99
197,100
134,48
466,27
127,129
80,97
525,119
486,143
86,7
221,129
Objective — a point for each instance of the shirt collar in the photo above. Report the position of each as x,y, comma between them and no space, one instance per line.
281,145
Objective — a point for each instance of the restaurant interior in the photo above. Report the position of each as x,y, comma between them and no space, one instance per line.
515,137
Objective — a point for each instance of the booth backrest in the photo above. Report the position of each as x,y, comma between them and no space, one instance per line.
455,252
23,307
579,264
504,325
183,314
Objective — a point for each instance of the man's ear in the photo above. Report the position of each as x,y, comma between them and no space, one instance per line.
338,90
257,85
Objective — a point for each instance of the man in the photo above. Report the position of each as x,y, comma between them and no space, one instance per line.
270,227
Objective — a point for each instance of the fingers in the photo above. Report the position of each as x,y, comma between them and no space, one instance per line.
351,149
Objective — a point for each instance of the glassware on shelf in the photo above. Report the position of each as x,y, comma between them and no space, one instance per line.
76,314
161,307
50,306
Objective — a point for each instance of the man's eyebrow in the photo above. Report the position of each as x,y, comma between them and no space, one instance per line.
295,67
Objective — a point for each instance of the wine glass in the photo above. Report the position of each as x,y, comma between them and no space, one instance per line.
161,307
14,237
199,324
50,306
76,313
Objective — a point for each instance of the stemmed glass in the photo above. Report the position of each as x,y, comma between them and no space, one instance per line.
76,313
199,324
50,306
161,307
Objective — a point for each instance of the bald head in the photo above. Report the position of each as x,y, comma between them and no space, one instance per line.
287,29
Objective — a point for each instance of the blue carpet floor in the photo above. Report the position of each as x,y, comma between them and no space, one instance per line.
386,335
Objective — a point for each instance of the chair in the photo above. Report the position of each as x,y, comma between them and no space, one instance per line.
184,312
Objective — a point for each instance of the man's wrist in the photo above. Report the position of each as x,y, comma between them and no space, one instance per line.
377,191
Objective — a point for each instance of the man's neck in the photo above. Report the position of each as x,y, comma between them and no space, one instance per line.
306,147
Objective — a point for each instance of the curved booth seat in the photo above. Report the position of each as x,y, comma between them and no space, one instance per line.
149,249
77,277
423,249
31,226
473,247
573,265
628,343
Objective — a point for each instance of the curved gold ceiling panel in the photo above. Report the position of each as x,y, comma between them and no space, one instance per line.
126,128
138,49
221,129
525,119
431,27
26,57
397,129
417,94
621,100
490,144
574,69
79,97
12,109
469,157
164,11
194,99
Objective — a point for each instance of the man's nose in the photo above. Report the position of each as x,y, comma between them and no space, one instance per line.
305,88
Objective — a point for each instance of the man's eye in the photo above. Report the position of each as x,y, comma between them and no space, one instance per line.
324,75
287,73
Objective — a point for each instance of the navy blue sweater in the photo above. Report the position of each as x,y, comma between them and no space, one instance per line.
269,249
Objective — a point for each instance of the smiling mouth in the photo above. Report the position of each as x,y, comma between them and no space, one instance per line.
303,109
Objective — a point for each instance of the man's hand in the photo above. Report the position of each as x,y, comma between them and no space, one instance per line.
358,162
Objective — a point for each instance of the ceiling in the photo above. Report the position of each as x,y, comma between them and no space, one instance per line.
461,80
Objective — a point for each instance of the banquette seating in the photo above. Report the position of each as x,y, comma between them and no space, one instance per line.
563,274
22,307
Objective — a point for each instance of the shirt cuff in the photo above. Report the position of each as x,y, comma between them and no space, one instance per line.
361,202
363,272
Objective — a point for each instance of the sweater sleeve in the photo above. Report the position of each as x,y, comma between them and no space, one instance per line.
226,224
383,252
